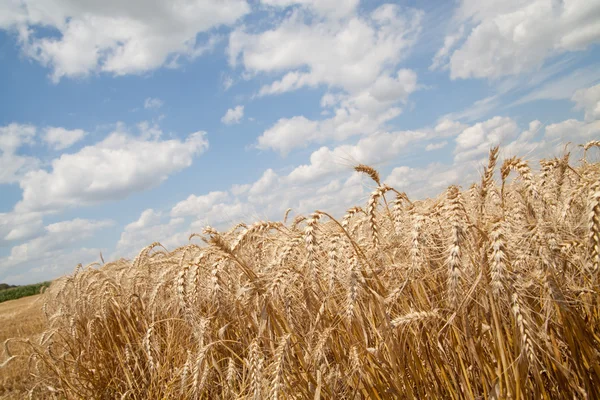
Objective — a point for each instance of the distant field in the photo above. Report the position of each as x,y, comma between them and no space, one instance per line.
23,319
14,293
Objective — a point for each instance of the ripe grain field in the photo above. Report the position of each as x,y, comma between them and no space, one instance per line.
483,293
19,319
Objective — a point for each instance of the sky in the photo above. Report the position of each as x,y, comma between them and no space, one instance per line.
124,123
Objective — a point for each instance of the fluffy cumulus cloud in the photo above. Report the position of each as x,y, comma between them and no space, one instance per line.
530,143
267,181
152,226
214,208
383,93
356,58
428,181
512,37
588,100
55,238
233,115
61,138
290,133
350,54
19,226
436,146
13,165
108,170
118,37
172,229
334,197
376,148
572,130
450,41
56,264
476,140
197,205
361,113
224,215
471,152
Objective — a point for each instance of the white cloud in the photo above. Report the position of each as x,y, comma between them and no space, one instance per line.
428,181
19,226
172,230
13,136
332,187
375,148
529,134
383,93
56,238
23,232
238,189
224,215
471,154
450,41
333,8
120,37
270,203
61,138
265,183
447,127
197,205
77,226
152,226
476,140
512,37
11,13
265,199
436,146
589,100
108,170
350,54
12,165
55,265
378,147
351,192
356,58
573,130
233,115
288,134
153,103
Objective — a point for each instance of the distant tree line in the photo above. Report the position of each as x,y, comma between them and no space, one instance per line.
4,286
11,292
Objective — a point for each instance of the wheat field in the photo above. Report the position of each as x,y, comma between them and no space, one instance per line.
21,318
484,293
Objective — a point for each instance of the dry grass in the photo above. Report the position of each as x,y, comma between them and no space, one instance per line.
488,293
21,319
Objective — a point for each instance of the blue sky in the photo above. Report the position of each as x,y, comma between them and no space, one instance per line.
125,123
